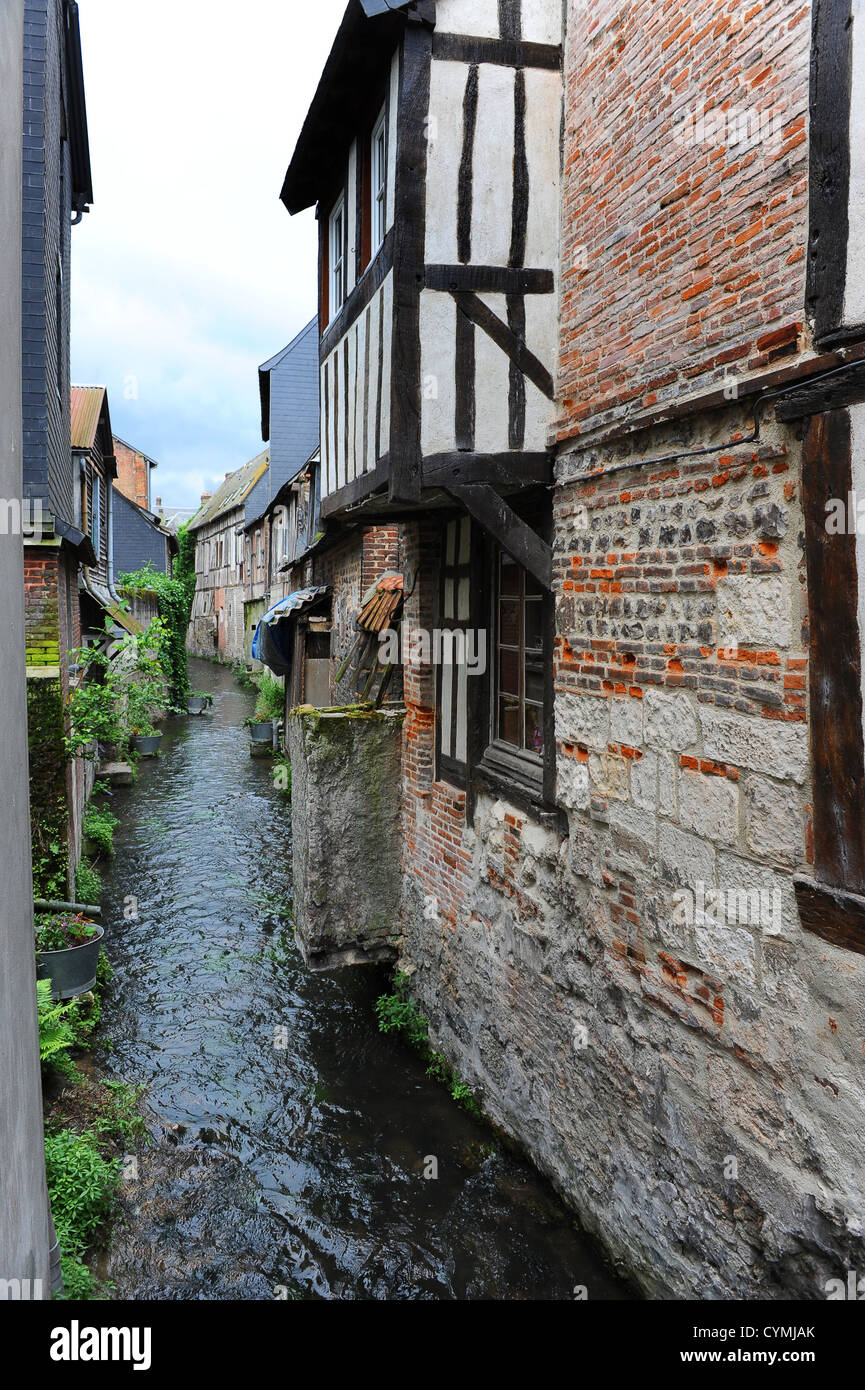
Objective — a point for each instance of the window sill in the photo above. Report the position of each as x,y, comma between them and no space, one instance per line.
516,779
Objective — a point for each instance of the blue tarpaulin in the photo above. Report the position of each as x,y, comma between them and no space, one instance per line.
273,643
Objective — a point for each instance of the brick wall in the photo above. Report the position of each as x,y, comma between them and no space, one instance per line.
685,199
133,474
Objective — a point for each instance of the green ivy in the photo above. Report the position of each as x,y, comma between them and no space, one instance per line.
174,598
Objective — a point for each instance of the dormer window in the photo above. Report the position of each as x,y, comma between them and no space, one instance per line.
337,258
378,211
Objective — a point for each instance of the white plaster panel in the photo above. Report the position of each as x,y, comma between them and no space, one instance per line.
386,295
854,293
492,385
438,387
541,338
542,21
543,134
444,151
479,18
493,171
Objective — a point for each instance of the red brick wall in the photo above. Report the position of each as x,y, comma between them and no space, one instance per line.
683,249
434,813
380,553
133,474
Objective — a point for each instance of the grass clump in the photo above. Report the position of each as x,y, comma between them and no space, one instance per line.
397,1013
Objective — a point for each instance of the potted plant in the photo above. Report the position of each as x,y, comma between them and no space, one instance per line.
198,701
67,950
141,699
260,730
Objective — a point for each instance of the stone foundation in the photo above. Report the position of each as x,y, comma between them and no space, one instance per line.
345,767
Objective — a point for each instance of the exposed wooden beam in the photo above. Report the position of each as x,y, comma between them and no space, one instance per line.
512,533
509,470
489,279
846,386
512,346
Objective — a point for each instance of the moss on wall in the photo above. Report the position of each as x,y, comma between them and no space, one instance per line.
49,804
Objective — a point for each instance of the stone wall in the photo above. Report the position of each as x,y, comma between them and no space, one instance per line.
345,768
631,991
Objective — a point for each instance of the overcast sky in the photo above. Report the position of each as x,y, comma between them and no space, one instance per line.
188,272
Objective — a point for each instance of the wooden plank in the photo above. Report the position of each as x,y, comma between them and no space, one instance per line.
845,386
509,53
489,279
838,761
829,180
513,347
512,533
831,914
410,218
516,469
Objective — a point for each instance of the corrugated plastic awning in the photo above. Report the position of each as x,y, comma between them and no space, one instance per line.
273,644
294,604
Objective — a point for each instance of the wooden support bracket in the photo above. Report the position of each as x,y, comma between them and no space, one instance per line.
513,534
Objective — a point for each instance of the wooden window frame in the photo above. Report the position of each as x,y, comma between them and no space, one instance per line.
377,205
337,292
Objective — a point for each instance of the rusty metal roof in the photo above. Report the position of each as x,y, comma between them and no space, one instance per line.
87,403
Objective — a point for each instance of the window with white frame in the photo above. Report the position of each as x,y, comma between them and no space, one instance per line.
337,258
379,181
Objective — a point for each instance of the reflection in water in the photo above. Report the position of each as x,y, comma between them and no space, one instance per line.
290,1137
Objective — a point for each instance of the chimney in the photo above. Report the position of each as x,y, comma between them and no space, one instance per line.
205,497
159,504
227,476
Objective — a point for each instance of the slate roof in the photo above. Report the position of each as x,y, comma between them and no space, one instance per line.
289,389
233,491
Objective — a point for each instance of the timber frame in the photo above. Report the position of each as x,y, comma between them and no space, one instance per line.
380,459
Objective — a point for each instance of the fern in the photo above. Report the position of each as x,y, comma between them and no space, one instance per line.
56,1034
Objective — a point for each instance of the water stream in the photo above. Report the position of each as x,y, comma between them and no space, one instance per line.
289,1138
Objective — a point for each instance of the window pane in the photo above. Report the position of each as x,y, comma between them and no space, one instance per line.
509,721
509,673
535,681
509,622
534,729
534,625
533,588
509,576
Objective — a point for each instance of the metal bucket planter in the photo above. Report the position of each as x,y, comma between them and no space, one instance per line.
262,733
197,704
72,971
147,747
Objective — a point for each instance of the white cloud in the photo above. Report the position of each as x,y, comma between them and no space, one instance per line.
188,272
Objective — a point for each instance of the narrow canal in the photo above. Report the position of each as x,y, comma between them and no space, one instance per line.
289,1137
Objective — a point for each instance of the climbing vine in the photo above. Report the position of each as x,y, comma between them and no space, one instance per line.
174,598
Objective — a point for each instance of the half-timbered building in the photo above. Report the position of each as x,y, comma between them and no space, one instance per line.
431,152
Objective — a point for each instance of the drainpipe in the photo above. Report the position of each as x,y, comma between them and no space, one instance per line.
112,591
